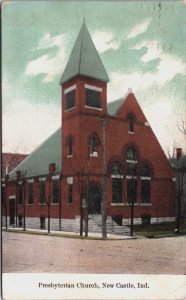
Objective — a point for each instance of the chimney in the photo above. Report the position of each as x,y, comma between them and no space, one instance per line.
178,152
6,177
18,175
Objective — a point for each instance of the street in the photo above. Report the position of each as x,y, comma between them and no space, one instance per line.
39,253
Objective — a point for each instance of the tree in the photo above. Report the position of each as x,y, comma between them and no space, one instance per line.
48,202
82,173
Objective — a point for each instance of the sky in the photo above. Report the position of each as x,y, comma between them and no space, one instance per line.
141,44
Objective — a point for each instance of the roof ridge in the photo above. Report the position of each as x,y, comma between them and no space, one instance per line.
80,57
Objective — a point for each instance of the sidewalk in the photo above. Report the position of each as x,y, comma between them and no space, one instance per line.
97,235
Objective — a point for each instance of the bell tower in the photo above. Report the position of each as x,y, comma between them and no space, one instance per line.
84,97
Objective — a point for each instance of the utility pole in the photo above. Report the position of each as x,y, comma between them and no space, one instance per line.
179,186
51,172
132,219
6,199
103,202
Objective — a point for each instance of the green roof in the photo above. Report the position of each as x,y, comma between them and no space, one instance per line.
84,59
37,163
112,107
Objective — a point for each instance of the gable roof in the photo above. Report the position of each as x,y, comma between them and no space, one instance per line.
84,59
37,163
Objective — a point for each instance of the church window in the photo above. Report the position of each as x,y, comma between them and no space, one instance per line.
93,146
70,100
145,183
116,182
55,186
131,190
93,98
131,154
131,162
42,192
70,146
131,174
70,191
131,123
30,192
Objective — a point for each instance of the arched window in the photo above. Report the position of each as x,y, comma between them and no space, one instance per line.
131,175
131,154
116,168
131,120
131,161
93,144
69,144
146,170
145,183
117,179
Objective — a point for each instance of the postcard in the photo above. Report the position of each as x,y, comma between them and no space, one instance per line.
93,150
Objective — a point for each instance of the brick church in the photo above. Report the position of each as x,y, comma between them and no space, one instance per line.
105,157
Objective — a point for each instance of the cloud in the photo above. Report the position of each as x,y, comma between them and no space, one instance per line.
47,65
139,28
34,123
153,50
104,40
48,42
169,65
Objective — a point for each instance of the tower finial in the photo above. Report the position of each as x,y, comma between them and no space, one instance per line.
84,20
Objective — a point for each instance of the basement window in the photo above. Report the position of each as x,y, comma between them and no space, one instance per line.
42,222
93,98
20,221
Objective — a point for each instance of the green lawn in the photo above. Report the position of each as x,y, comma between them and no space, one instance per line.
154,230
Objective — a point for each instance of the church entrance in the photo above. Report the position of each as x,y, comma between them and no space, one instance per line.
94,200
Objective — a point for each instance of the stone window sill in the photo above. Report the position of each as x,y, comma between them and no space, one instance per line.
70,108
145,204
127,204
117,204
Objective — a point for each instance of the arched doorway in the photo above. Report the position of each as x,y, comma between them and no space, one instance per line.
94,200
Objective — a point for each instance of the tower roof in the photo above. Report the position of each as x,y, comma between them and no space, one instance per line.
84,59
